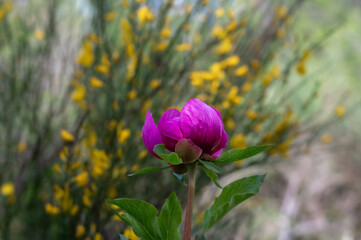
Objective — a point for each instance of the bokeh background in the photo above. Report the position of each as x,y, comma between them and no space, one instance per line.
77,77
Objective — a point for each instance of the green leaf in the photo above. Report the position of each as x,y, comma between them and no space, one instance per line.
232,195
211,166
141,216
239,154
122,237
166,155
170,217
212,175
147,170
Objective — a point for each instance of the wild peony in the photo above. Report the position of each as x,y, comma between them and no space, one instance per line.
195,132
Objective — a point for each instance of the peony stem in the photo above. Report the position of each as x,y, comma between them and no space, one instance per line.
190,197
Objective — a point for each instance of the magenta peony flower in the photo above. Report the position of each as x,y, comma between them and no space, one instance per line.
195,132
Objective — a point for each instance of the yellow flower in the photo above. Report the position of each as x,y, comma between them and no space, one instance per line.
230,61
56,168
38,34
142,154
86,56
275,72
161,46
232,97
132,94
116,56
21,147
98,236
255,64
281,12
119,153
257,127
184,47
251,114
104,69
267,80
64,153
74,210
216,71
199,218
86,200
80,231
135,168
130,49
166,32
123,135
339,111
128,233
239,163
112,192
239,141
93,37
115,106
197,82
246,87
155,83
82,179
110,16
95,82
79,93
51,209
219,12
218,32
7,189
131,68
144,15
224,47
281,32
67,137
231,26
5,8
202,75
230,14
241,71
230,124
326,138
301,68
124,3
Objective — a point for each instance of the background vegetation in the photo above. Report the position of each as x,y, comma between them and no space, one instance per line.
77,78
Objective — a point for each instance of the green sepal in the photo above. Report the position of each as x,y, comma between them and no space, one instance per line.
163,153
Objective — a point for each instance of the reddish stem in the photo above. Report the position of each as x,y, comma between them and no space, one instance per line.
191,187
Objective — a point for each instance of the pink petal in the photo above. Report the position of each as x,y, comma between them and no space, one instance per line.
169,114
218,150
170,132
202,124
150,134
